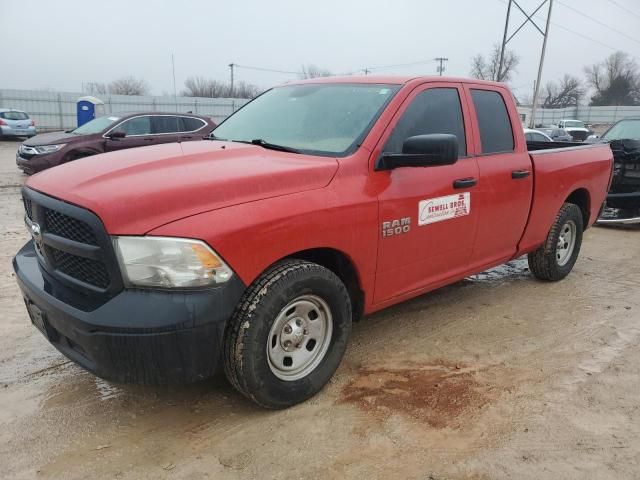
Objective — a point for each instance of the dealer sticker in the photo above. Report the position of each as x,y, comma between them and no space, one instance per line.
444,208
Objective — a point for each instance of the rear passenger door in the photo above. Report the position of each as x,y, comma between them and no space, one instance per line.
506,178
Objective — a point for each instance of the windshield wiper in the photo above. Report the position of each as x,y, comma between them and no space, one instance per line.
271,146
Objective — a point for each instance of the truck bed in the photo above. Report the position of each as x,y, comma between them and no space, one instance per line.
563,168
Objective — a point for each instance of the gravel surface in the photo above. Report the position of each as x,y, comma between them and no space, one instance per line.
498,376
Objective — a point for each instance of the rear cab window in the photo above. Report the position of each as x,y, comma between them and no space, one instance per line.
494,123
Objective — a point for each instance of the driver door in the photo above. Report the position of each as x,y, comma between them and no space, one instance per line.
428,215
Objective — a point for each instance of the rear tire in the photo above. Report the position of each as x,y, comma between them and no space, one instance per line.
555,259
288,334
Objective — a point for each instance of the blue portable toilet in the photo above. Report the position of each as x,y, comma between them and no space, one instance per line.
89,108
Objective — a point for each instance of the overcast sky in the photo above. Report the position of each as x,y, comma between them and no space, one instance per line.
61,44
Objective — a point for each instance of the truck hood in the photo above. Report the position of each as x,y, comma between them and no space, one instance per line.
137,190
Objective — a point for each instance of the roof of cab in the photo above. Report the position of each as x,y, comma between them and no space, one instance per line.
392,80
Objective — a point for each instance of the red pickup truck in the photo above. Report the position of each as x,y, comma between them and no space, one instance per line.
316,203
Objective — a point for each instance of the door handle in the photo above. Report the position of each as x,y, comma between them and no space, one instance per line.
518,174
148,139
465,183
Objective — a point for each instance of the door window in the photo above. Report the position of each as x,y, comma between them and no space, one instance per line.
436,110
136,126
190,124
166,124
496,134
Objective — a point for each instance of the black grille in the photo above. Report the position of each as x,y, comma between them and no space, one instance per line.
84,269
73,247
68,227
28,207
580,136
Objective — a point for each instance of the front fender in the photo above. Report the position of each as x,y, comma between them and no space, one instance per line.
252,236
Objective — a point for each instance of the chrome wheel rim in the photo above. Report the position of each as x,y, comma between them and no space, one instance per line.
566,243
299,337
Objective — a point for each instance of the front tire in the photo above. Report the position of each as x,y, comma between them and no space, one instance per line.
555,259
288,334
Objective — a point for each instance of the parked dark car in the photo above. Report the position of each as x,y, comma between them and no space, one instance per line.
109,133
624,194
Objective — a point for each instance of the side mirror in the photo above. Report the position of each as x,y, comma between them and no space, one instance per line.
422,151
117,134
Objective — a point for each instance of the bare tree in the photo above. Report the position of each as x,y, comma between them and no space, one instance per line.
311,71
245,90
204,87
566,93
95,88
616,80
128,86
487,68
209,88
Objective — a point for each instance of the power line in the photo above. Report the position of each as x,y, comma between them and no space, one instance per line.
622,7
262,69
619,32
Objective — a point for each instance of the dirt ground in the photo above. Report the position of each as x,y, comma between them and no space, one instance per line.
499,376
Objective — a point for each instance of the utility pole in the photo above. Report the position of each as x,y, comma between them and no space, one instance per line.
231,65
175,92
506,39
441,68
544,50
366,71
504,43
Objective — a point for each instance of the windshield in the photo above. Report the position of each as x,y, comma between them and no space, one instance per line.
574,124
624,130
96,125
321,119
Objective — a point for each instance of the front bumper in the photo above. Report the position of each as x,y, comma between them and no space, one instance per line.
137,336
35,164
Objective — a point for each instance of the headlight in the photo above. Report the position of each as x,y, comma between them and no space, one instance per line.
166,262
49,148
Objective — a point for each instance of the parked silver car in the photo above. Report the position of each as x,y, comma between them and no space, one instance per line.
557,134
16,123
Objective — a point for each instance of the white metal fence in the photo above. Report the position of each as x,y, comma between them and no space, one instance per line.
592,115
57,110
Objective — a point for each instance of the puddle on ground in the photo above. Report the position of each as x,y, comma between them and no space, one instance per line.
518,268
436,394
106,390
